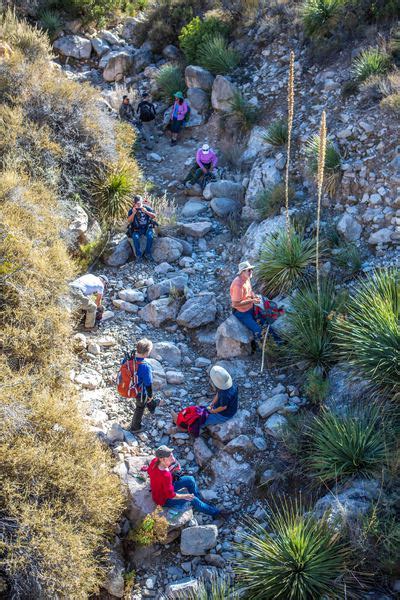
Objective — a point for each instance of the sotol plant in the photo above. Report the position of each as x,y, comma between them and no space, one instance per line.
372,61
368,338
271,200
170,80
320,17
112,192
332,163
301,558
243,112
215,55
277,133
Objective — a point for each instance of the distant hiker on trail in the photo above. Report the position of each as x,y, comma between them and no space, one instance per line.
165,491
144,371
126,110
244,303
87,293
147,115
179,116
141,222
206,162
225,402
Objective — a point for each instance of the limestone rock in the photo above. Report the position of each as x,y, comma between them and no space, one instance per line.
171,52
272,405
115,433
231,428
162,288
222,93
224,188
116,64
198,99
256,144
196,541
100,46
167,352
166,249
275,425
88,379
175,377
264,174
77,222
223,207
256,235
182,589
118,253
131,295
159,311
232,338
129,29
347,504
197,229
115,583
227,470
193,208
126,306
142,58
74,46
197,77
241,443
109,37
382,236
197,311
159,375
202,452
344,388
349,228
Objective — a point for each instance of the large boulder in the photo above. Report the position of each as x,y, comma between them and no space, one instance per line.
222,93
197,229
275,425
197,311
142,58
224,188
159,312
223,207
114,582
116,65
162,288
166,249
198,99
345,505
226,469
131,295
198,540
197,77
263,175
129,29
256,235
225,432
232,338
192,208
74,46
256,144
100,46
167,352
349,228
118,252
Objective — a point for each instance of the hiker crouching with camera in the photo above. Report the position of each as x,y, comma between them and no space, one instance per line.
166,485
87,294
140,223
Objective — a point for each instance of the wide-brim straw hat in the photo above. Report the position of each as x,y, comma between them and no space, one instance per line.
243,266
178,95
220,378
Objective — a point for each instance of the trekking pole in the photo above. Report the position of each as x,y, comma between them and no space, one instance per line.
263,349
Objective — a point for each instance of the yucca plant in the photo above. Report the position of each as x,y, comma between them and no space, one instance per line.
320,17
170,80
284,259
243,112
372,61
214,55
342,446
112,192
316,386
310,332
368,337
50,21
300,558
277,133
270,201
220,589
332,163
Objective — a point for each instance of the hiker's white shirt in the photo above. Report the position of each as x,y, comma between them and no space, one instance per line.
88,284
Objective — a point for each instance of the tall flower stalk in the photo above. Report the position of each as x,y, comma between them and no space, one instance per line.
320,181
289,140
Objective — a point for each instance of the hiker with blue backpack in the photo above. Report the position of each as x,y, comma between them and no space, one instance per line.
135,380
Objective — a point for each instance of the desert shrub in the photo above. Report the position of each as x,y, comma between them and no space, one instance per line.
284,259
372,61
320,17
88,10
270,201
277,133
164,208
244,114
50,21
310,333
316,386
215,55
391,104
349,258
300,557
332,163
342,446
240,9
198,31
32,43
368,337
113,190
170,80
132,7
152,530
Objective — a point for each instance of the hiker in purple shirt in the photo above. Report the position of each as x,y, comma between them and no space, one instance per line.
206,162
179,116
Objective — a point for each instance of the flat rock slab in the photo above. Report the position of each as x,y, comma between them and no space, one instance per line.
168,353
223,207
197,541
232,338
193,208
182,589
272,405
196,230
159,312
227,470
178,283
197,311
232,428
131,295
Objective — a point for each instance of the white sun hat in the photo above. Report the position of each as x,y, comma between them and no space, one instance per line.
243,266
220,378
205,148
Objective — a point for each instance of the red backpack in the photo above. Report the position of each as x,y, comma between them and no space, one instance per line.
127,378
191,417
269,311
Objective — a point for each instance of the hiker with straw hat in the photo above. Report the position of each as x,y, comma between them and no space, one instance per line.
179,115
244,301
225,402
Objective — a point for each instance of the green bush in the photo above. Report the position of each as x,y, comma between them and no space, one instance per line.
170,80
316,386
333,162
152,530
300,558
215,55
368,337
198,31
342,446
50,21
243,113
310,332
284,259
270,201
277,133
372,61
320,17
89,10
112,191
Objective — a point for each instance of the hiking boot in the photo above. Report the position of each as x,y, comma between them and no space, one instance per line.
136,430
149,257
253,345
225,513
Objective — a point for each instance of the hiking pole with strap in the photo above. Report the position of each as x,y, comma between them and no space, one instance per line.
263,348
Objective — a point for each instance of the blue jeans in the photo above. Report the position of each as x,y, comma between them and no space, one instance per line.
136,241
190,484
248,320
214,419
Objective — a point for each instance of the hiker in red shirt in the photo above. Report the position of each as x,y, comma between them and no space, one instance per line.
164,489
